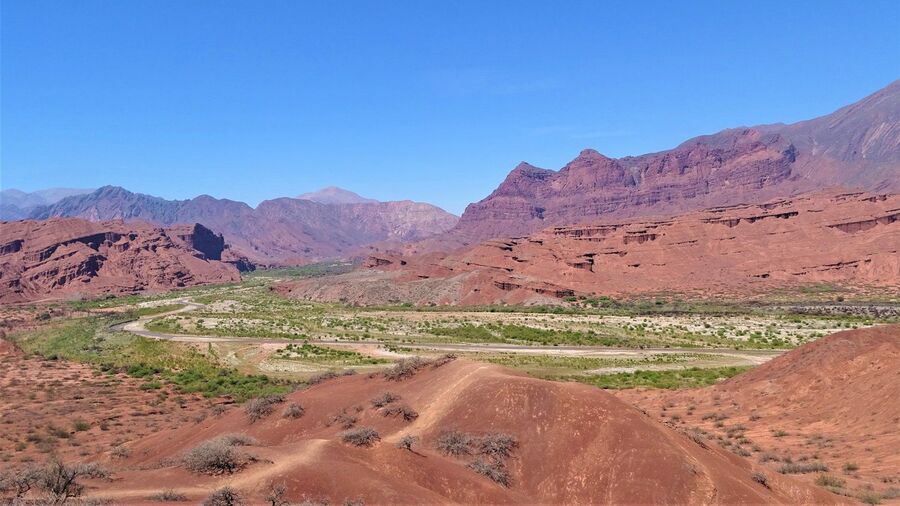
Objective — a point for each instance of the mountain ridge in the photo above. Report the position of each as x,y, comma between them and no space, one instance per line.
278,231
855,147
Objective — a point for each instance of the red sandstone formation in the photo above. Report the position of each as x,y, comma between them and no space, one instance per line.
857,146
69,257
844,239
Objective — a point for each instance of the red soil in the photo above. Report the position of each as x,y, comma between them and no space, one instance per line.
40,401
835,398
577,444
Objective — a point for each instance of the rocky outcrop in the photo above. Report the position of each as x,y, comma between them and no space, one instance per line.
849,240
73,258
278,231
855,147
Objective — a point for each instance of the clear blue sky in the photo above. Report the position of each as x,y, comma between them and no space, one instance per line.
427,100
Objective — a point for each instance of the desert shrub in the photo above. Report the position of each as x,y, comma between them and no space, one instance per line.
276,495
697,438
827,480
325,376
494,470
293,410
443,360
811,467
869,498
766,457
238,440
261,407
405,368
385,399
343,419
19,482
225,496
58,480
120,452
849,467
760,478
406,442
408,413
168,495
363,436
213,457
454,443
496,445
81,425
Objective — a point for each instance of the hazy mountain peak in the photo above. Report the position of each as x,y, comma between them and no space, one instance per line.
16,204
335,195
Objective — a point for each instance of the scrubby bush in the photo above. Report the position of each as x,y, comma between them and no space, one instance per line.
760,478
454,443
238,440
59,481
496,445
385,399
443,360
849,467
494,470
406,442
276,495
261,407
827,480
405,368
811,467
168,495
363,436
216,456
225,496
120,452
293,410
408,413
325,376
343,419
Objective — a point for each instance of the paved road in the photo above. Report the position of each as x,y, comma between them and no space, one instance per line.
746,357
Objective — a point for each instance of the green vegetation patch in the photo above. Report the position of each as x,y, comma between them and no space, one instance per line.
693,377
528,361
326,355
89,340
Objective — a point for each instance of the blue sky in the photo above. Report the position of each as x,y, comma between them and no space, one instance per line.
427,100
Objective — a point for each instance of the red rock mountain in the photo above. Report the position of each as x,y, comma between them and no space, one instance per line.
279,231
855,147
845,239
68,257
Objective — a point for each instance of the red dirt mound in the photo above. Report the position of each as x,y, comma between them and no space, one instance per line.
832,401
845,239
576,444
73,257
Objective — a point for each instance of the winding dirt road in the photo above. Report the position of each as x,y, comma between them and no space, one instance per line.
723,356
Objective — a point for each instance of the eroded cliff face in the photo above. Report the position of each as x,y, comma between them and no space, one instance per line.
69,258
848,239
855,147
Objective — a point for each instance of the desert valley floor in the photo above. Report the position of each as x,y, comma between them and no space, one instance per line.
632,401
